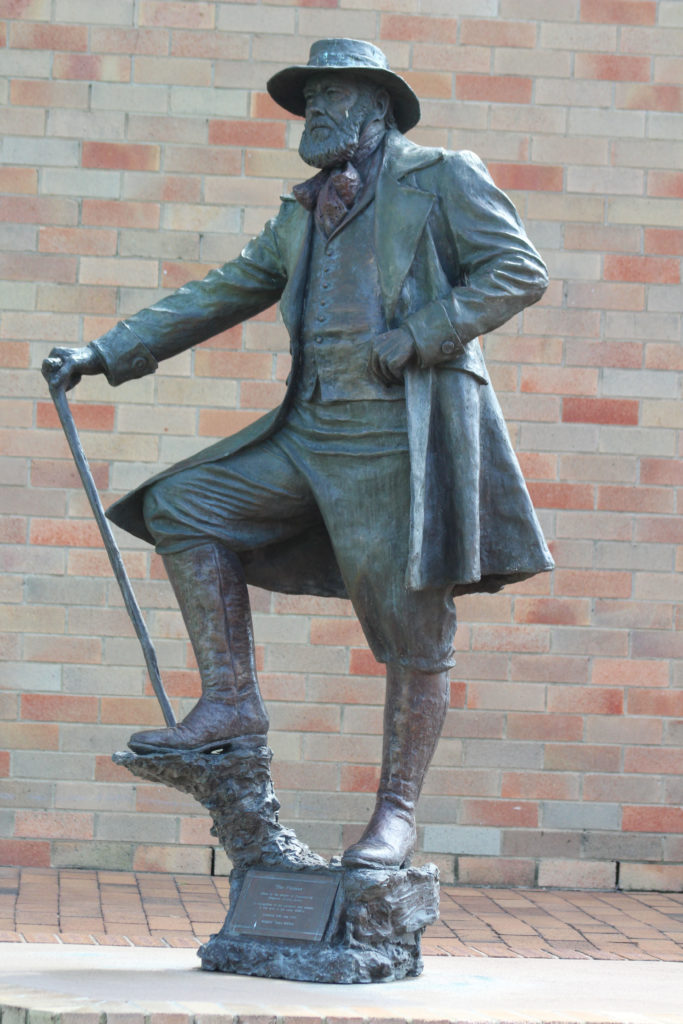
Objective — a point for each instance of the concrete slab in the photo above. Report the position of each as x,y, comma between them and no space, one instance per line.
66,980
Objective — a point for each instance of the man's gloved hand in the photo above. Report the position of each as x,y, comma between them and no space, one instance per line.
391,353
64,367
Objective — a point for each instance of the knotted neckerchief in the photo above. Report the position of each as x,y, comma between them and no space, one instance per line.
332,192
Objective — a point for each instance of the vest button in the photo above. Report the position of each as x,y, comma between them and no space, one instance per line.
448,348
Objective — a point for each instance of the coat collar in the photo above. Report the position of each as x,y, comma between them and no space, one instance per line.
400,214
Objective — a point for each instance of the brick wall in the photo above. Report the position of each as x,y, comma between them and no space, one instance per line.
139,150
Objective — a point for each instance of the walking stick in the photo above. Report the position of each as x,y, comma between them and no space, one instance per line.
59,398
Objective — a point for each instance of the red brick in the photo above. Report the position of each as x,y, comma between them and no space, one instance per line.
86,417
505,813
561,495
592,583
247,133
4,764
261,394
362,663
558,380
659,530
627,12
662,760
565,728
586,700
222,422
458,697
121,214
37,36
611,67
30,736
262,106
220,46
430,84
239,365
43,707
492,32
538,465
176,14
652,819
510,638
29,93
15,354
553,611
629,672
130,711
635,499
60,533
91,67
74,650
641,268
668,184
522,177
416,29
38,210
495,89
174,275
617,411
96,563
338,632
604,353
36,266
77,241
358,778
54,824
650,97
19,179
150,42
25,853
120,156
661,471
539,786
667,241
656,702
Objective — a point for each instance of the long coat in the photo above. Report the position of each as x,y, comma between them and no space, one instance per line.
454,262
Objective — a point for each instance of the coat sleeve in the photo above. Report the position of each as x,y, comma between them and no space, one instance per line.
499,267
197,311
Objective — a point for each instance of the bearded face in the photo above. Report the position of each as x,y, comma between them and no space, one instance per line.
338,108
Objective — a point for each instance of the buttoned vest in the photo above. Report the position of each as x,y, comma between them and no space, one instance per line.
343,313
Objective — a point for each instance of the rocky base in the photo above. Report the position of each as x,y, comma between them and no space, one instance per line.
377,918
373,934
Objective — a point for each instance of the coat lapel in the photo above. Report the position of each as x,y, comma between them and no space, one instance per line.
401,212
299,246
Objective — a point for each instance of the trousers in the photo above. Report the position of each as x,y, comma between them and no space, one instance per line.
347,465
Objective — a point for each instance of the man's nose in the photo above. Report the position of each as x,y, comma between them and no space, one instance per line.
315,105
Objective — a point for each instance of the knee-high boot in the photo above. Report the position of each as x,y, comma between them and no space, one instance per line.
212,594
414,712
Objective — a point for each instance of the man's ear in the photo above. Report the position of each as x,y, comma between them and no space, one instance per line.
382,103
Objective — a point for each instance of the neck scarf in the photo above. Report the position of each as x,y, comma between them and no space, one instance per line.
332,192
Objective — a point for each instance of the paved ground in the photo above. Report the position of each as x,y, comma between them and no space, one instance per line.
71,954
143,909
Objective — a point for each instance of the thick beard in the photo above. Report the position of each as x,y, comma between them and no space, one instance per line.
335,149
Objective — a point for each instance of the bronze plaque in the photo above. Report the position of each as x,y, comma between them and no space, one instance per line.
284,905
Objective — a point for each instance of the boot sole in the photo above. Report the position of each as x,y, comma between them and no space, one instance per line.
217,746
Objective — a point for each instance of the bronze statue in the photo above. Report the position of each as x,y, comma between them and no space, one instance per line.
386,475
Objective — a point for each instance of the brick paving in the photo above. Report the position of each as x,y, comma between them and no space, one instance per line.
119,908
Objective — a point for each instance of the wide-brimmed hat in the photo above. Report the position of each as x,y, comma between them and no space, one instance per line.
346,55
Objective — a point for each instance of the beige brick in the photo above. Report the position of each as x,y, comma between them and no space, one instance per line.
117,12
96,270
